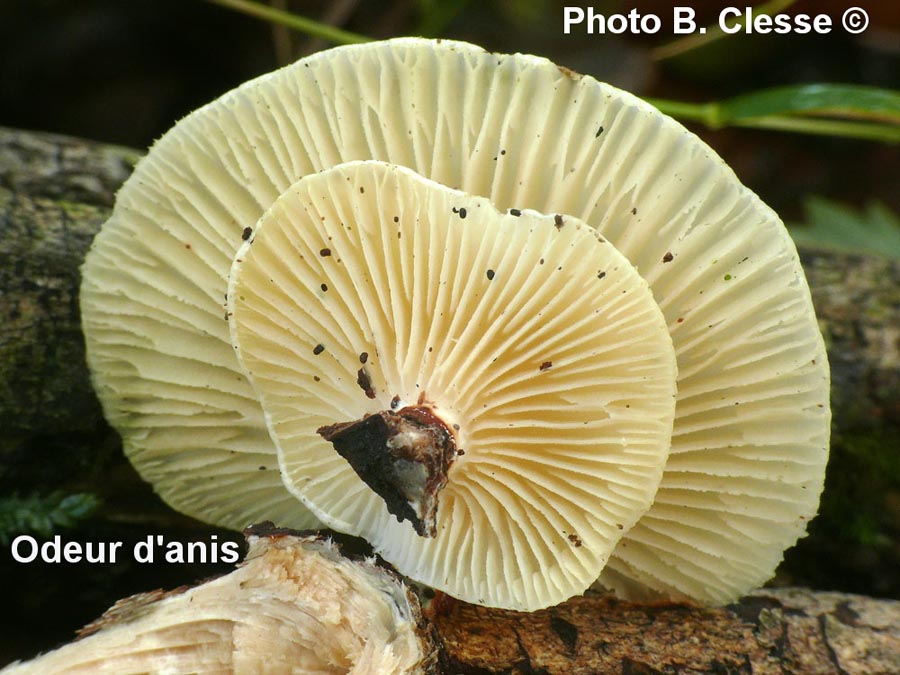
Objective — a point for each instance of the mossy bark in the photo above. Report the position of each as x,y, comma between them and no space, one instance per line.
854,543
55,192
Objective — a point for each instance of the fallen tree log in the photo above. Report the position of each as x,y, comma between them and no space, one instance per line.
297,605
55,192
769,632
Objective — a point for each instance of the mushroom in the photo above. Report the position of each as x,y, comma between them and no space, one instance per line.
517,479
751,430
295,604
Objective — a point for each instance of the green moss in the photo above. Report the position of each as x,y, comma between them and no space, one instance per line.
854,542
862,471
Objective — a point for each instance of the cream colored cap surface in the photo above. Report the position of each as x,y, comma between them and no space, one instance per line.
752,419
527,334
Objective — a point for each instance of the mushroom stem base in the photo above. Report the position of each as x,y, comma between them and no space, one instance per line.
403,456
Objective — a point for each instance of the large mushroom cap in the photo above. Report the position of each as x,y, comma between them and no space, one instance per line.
526,337
752,419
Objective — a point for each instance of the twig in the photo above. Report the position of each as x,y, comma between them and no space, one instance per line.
710,33
293,21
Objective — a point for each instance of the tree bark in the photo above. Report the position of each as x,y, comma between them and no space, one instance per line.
857,301
54,195
769,632
55,192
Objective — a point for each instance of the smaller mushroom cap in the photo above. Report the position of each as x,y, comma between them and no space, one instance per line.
368,289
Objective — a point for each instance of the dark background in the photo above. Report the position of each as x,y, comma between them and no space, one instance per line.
123,71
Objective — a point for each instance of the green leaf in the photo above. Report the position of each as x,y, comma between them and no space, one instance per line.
845,101
43,514
876,229
847,111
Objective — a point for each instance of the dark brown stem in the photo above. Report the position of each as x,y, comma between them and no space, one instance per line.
404,456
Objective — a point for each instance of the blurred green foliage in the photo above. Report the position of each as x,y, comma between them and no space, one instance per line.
43,514
873,230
